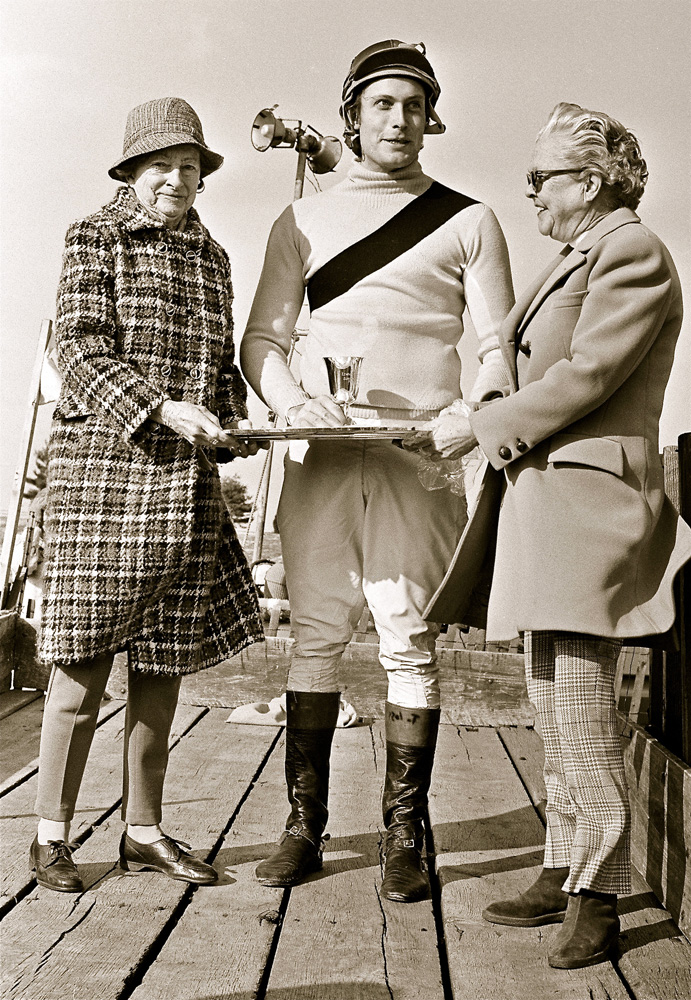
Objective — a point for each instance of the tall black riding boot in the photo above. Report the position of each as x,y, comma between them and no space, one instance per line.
411,738
310,722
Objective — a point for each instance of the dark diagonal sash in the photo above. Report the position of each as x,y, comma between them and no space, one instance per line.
408,227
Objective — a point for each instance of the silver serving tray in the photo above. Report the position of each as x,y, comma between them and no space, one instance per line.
344,433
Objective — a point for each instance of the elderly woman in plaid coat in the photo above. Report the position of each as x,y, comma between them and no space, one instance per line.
587,545
142,555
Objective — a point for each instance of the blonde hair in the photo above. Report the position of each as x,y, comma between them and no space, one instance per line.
599,143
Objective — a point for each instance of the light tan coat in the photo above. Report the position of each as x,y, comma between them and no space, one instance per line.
587,540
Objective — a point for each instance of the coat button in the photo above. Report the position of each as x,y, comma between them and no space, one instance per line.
191,255
196,372
161,248
170,309
504,452
166,369
521,446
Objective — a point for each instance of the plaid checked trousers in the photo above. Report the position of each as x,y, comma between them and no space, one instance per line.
571,684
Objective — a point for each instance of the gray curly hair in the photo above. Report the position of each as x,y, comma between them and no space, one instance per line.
598,142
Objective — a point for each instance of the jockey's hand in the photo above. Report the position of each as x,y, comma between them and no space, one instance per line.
320,411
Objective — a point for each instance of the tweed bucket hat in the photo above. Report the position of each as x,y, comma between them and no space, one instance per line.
168,121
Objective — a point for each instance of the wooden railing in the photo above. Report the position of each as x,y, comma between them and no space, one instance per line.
670,677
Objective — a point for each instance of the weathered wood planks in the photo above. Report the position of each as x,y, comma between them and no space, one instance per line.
93,945
220,944
20,738
148,938
339,940
654,957
12,701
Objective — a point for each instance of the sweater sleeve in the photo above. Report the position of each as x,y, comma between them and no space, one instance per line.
489,297
629,289
277,303
231,390
104,383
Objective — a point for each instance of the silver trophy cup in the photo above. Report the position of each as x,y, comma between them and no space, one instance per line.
344,380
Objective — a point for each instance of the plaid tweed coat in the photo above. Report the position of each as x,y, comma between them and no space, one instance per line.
141,553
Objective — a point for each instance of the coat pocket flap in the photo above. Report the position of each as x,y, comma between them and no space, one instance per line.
563,299
577,449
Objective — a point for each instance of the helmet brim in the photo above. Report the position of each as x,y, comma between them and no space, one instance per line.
430,86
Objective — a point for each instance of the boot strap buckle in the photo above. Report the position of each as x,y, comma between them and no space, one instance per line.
298,831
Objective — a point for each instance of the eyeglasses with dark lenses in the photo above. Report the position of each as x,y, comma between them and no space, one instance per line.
536,178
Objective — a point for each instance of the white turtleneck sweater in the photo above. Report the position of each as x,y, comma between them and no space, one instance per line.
404,320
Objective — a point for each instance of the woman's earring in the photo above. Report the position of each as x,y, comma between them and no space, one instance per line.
200,186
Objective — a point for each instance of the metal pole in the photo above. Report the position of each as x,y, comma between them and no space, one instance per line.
300,175
263,496
262,503
15,507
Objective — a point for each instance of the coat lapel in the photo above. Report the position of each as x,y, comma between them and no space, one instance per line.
514,320
568,260
566,264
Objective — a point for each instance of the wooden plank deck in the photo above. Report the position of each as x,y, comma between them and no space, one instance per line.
333,938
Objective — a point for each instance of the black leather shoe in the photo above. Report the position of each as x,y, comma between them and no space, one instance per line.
166,856
589,933
295,858
544,902
54,866
404,878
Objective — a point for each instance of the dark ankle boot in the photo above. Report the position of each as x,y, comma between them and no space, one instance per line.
543,903
411,737
589,933
310,723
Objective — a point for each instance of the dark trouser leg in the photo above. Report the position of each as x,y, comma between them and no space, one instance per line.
151,703
411,737
310,723
69,723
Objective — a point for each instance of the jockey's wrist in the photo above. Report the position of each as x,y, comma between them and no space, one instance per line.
293,412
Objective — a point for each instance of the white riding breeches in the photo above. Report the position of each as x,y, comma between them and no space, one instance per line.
358,527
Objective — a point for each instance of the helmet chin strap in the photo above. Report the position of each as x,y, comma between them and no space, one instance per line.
351,129
434,126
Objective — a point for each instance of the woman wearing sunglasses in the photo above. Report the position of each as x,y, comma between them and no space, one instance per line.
587,545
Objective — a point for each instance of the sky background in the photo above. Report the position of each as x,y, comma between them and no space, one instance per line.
72,69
